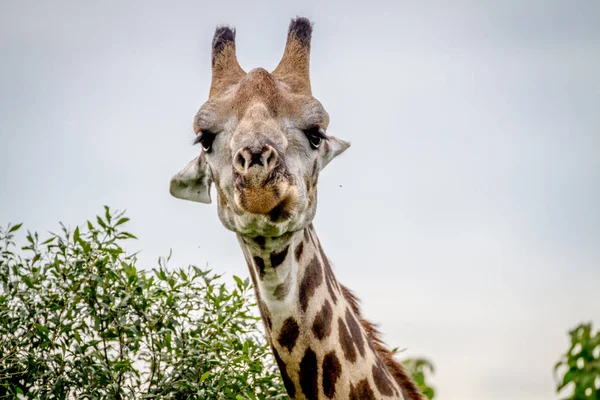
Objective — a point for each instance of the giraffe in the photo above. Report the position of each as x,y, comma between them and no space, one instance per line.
264,143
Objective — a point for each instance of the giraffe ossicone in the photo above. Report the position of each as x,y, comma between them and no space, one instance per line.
264,142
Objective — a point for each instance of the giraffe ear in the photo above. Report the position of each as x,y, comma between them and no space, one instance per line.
192,182
331,148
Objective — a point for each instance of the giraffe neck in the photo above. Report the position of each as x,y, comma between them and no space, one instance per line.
317,338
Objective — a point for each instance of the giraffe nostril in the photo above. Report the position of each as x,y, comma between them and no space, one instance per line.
270,158
240,161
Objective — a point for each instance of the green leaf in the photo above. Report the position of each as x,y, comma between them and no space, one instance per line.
27,281
239,281
122,221
107,214
204,376
15,228
47,241
100,222
127,235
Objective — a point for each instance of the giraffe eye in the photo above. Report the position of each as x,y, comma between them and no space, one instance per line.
315,136
206,139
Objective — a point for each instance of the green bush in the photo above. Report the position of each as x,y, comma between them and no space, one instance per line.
580,366
79,320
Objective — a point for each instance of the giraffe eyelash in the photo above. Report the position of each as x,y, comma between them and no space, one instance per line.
206,139
315,130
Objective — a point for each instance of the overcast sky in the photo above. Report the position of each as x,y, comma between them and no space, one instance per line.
465,215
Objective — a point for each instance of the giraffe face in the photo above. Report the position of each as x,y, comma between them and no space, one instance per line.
264,142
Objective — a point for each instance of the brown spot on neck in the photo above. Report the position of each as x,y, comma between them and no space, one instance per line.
332,369
299,250
289,334
260,266
322,324
362,391
346,341
308,375
381,379
312,279
278,257
355,332
287,382
282,290
260,241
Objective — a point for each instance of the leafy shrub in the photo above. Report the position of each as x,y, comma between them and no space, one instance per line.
79,320
580,366
419,368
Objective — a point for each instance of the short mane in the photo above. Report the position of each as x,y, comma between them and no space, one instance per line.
408,387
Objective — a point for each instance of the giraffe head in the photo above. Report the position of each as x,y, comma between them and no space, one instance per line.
263,138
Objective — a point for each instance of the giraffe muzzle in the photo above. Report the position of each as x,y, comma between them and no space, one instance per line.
260,181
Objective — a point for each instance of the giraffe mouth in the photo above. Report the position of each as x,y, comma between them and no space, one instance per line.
277,203
276,199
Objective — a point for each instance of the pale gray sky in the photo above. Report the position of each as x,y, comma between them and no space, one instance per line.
465,215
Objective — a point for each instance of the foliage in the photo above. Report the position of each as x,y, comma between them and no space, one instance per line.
419,368
79,320
580,366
